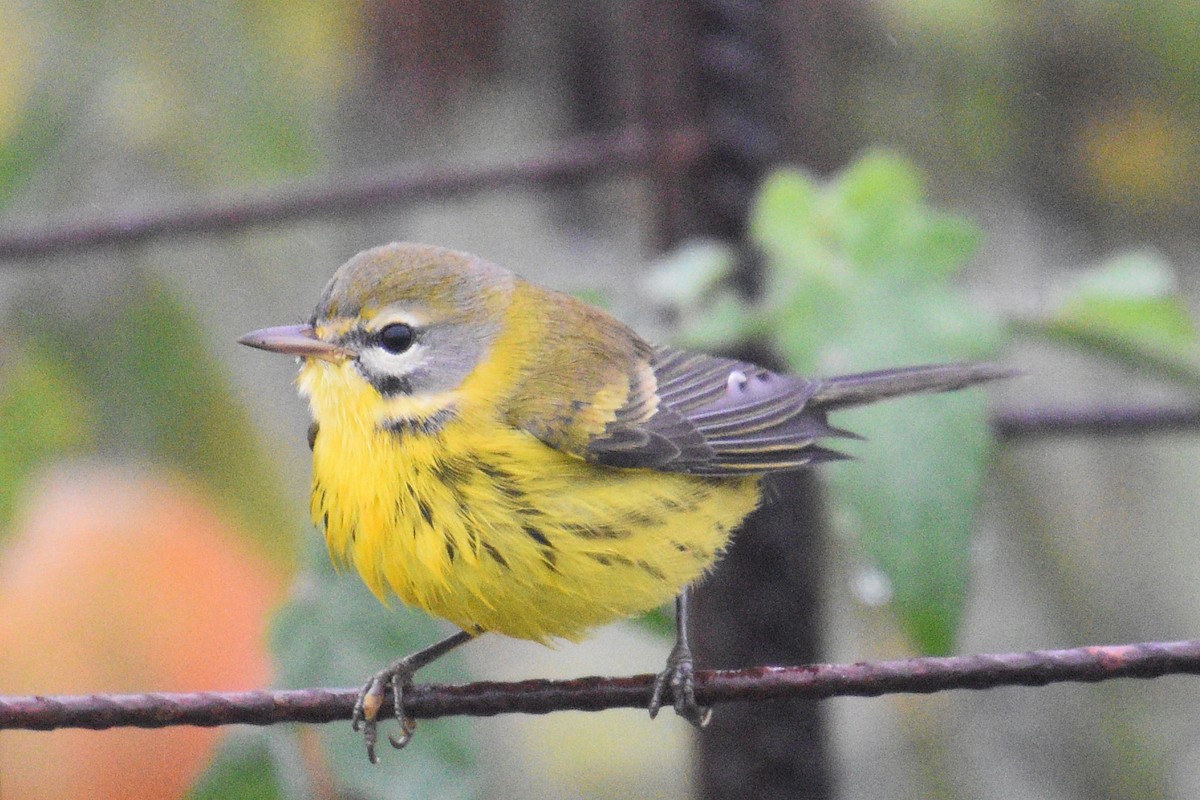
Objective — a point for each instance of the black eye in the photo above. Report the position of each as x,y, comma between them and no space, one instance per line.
396,338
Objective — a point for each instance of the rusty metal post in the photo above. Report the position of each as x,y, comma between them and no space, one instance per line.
714,64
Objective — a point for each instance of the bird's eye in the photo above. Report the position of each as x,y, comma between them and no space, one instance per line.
396,338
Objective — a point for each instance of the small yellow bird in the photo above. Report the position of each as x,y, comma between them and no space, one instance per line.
516,461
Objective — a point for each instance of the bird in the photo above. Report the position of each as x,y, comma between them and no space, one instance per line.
516,461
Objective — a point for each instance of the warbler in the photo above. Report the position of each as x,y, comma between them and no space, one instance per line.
516,461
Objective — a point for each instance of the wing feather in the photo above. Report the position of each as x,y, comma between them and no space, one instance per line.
723,416
719,416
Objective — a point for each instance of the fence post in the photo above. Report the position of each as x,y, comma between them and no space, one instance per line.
712,63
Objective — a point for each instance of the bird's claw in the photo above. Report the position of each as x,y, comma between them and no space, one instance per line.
365,716
680,676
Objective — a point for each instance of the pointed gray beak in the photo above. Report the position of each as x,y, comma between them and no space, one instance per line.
296,340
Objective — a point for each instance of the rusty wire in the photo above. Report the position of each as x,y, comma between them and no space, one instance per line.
915,675
1015,425
625,152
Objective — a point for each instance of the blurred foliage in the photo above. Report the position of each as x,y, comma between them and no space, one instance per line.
207,95
857,278
142,384
1095,107
245,768
1129,309
333,630
124,579
42,419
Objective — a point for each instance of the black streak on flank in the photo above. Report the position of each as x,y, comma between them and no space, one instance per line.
451,551
312,435
548,554
451,471
642,519
651,570
505,482
426,511
671,504
608,559
495,554
538,536
597,532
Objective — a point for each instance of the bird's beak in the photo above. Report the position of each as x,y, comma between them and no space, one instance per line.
296,340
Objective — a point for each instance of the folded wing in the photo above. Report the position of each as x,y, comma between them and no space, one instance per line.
719,416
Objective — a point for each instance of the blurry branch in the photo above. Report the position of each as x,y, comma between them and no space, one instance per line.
919,675
1156,354
629,151
1093,420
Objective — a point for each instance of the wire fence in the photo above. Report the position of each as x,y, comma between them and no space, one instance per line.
631,151
915,675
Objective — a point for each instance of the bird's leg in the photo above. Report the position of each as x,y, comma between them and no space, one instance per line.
397,676
680,673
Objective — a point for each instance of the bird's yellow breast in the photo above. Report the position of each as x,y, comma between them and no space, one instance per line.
440,502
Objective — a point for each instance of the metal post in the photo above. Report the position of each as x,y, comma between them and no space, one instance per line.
710,63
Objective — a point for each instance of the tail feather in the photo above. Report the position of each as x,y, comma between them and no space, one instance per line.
867,387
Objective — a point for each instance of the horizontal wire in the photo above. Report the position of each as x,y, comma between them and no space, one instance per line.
1012,425
914,675
629,151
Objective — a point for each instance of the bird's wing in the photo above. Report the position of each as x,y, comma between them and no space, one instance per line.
623,403
714,416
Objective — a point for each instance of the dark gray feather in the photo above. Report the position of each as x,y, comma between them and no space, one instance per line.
718,416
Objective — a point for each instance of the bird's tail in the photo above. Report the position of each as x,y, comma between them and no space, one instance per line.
867,387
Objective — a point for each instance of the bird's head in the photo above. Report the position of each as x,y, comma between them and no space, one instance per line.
408,319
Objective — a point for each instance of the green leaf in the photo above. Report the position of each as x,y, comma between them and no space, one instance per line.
1128,308
784,221
876,186
728,319
689,274
335,633
910,497
37,132
244,767
660,621
858,274
43,417
883,226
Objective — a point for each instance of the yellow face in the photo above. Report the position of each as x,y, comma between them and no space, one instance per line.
411,320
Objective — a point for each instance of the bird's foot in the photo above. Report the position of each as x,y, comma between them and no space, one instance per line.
680,676
397,678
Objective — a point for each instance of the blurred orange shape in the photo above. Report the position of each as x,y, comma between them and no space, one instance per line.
124,581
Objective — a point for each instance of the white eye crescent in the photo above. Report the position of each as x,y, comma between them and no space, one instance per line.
377,360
